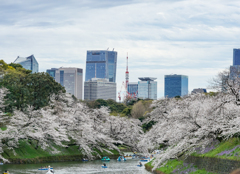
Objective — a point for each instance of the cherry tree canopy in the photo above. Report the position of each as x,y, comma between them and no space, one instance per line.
67,119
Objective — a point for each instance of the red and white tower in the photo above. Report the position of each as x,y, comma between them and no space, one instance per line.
127,75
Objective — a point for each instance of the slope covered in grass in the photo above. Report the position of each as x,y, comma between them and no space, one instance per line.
29,149
229,149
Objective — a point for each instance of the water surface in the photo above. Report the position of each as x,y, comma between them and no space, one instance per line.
114,167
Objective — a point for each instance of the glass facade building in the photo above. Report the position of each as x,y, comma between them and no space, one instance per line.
101,64
176,85
133,89
147,88
71,79
52,72
236,56
29,63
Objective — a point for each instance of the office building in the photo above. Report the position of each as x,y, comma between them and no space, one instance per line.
29,63
97,88
236,56
147,88
199,90
176,85
132,89
101,64
71,79
52,72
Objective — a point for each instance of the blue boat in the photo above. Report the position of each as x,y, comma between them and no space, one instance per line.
104,166
105,158
84,159
139,165
45,168
121,158
1,163
144,160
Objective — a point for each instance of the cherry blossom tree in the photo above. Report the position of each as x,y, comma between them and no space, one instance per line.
67,121
184,124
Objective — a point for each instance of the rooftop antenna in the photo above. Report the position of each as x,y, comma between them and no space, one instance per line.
107,48
113,49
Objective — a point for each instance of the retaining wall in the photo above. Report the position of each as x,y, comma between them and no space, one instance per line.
215,165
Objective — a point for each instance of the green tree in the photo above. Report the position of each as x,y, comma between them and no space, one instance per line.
28,89
15,82
41,86
19,67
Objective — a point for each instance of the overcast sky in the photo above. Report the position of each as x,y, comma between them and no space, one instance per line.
190,37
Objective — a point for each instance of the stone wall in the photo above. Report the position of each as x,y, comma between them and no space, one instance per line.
215,165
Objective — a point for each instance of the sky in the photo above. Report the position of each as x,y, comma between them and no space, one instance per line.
188,37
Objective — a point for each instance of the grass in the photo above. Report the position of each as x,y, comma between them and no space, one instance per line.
4,128
224,146
169,167
174,164
122,147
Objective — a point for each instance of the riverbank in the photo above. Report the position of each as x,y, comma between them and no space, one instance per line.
28,152
219,157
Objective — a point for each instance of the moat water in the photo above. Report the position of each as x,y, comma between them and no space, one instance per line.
114,167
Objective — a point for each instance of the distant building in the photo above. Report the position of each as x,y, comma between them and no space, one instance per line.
199,90
176,85
101,64
147,88
99,89
71,79
236,56
29,63
132,89
52,72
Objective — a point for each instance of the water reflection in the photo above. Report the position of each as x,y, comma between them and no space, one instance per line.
114,167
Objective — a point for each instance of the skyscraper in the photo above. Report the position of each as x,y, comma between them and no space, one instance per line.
236,56
71,79
176,85
99,89
132,89
101,64
235,68
52,72
29,63
147,88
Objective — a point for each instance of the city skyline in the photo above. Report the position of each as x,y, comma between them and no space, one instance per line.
161,37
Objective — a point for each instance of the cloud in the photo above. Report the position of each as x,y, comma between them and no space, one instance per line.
191,37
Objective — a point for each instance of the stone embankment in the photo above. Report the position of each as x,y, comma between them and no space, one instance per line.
213,165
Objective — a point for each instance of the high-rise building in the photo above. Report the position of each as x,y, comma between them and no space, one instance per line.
99,89
236,56
52,72
29,63
147,88
101,64
176,85
133,89
71,79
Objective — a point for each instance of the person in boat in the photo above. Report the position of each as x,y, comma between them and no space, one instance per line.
140,164
104,164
